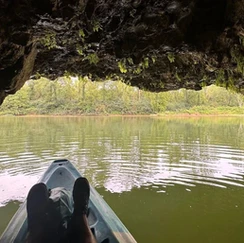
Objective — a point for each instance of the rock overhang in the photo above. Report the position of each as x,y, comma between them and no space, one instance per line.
157,45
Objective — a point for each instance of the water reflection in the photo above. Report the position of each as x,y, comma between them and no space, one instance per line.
15,187
124,153
165,168
6,213
200,214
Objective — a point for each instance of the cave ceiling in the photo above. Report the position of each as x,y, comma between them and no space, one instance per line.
157,45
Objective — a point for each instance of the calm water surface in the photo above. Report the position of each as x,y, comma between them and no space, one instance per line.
169,180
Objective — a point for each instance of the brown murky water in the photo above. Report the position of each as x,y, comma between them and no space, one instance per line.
169,180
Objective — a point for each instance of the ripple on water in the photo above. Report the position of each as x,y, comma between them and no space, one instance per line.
218,170
123,163
15,188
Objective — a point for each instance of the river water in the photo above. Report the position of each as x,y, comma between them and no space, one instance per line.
169,180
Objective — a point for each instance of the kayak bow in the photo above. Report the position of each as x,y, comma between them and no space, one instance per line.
103,222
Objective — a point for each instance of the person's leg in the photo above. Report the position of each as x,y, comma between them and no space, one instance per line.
37,201
42,217
81,232
79,228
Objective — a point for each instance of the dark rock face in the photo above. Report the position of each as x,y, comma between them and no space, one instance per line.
158,45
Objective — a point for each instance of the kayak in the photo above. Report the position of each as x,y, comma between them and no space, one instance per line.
104,223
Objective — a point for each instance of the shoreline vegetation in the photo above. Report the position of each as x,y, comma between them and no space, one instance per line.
190,113
68,96
163,115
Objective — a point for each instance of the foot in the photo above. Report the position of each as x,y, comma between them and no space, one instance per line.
81,194
44,220
37,201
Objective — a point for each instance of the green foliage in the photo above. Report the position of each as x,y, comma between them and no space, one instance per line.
177,77
78,95
67,74
81,33
49,41
80,51
153,58
96,26
17,104
122,66
137,70
241,38
171,57
203,81
92,58
220,79
125,63
238,57
146,62
130,61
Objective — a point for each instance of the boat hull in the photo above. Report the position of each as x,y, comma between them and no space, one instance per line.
104,223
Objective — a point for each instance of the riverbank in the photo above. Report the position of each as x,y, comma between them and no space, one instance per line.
43,97
160,115
191,112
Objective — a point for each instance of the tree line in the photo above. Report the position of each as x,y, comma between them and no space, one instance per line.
75,96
